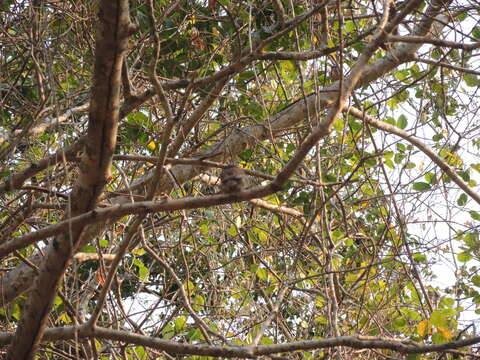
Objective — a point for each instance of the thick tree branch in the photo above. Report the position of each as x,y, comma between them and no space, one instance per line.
15,181
94,172
45,124
139,208
177,348
429,40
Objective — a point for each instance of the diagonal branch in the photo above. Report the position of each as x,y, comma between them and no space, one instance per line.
324,128
15,181
447,169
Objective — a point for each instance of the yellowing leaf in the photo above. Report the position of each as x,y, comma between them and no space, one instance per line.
446,334
424,328
262,274
232,231
151,146
64,318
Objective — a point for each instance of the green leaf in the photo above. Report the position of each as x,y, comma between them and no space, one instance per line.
232,231
140,352
198,302
413,357
431,178
439,318
476,32
448,302
402,121
180,322
421,186
64,318
465,175
476,280
475,215
203,228
471,80
464,257
137,118
189,286
471,238
421,258
320,320
349,26
415,71
195,334
390,164
15,311
143,272
392,103
401,74
139,252
262,235
398,158
436,54
246,75
437,338
462,199
338,124
89,249
246,155
266,341
388,154
168,332
399,323
390,120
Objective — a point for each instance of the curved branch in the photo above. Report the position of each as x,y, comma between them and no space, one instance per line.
173,347
16,180
447,169
142,207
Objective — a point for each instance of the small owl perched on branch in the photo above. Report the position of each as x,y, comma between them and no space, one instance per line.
233,180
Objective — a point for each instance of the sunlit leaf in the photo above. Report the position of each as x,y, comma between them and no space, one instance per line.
464,257
424,328
475,215
444,332
402,122
421,186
